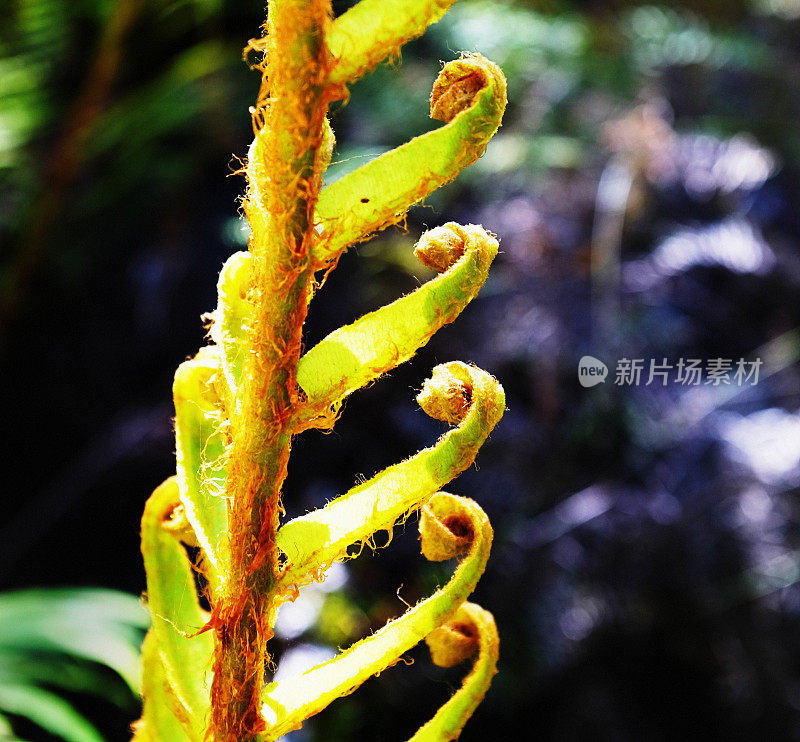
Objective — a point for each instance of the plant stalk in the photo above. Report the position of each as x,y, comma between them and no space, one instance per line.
284,186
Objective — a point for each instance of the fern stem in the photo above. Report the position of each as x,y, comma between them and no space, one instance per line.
284,182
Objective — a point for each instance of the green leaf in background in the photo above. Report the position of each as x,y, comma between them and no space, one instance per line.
63,639
48,711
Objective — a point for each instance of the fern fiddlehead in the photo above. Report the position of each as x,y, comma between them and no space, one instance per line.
240,401
290,701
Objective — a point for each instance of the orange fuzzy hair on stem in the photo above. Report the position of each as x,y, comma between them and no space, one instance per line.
284,185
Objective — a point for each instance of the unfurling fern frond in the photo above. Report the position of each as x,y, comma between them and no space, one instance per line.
240,401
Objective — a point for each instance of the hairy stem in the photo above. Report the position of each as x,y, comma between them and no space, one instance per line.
284,182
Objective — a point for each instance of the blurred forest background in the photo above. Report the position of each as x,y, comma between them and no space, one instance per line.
646,190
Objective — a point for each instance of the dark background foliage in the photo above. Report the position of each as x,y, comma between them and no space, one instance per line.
645,568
